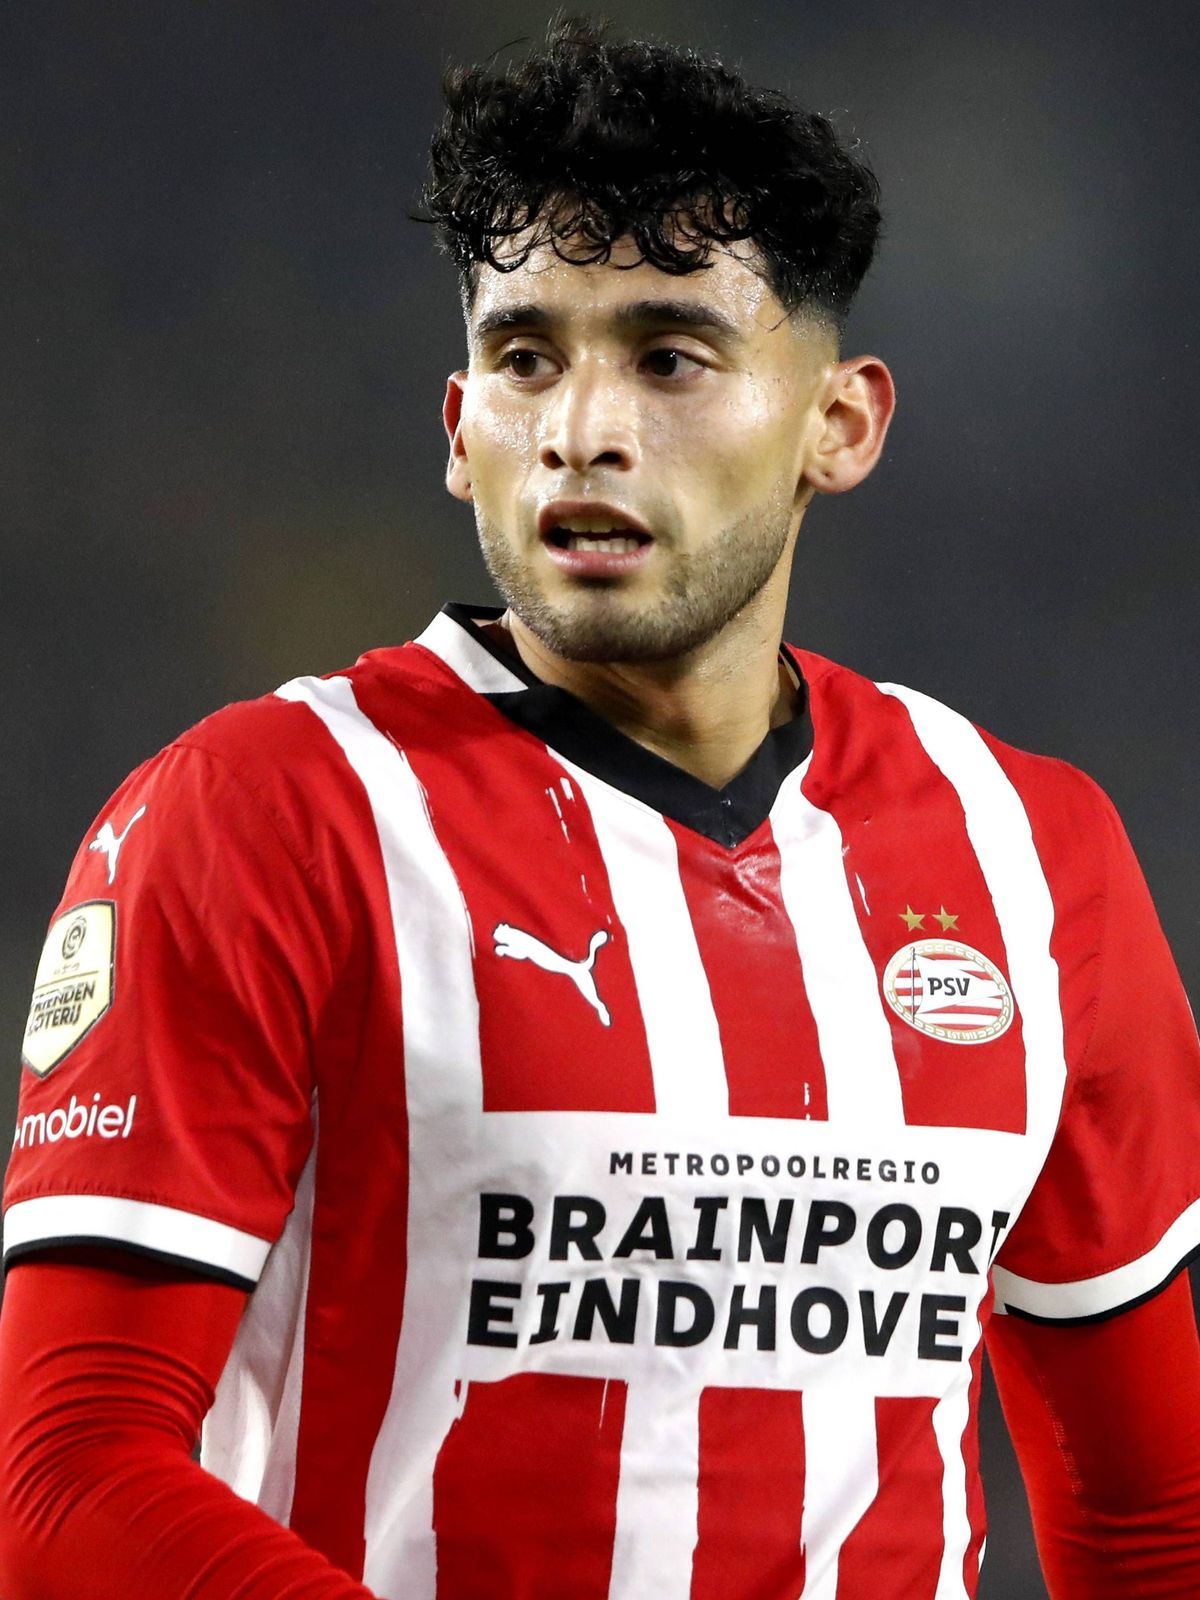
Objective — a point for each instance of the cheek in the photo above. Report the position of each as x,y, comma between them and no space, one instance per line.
493,433
741,450
500,445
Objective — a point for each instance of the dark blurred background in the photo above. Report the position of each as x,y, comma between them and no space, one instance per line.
225,347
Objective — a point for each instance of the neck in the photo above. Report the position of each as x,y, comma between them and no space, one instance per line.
706,712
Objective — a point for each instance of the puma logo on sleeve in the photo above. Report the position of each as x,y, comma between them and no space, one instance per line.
110,843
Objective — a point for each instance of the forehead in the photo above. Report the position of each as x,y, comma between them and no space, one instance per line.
593,295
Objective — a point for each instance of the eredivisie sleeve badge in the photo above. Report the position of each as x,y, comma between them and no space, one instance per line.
948,990
74,983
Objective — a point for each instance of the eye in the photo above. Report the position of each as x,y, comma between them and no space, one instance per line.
523,363
667,362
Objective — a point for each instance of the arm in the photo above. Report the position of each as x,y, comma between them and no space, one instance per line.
1105,1420
1097,1363
107,1367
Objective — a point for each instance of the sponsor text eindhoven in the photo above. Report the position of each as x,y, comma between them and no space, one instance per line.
76,1120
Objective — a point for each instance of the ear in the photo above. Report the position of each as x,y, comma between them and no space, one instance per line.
856,402
458,474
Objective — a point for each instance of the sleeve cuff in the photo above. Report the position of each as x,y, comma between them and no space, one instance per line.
1108,1293
214,1248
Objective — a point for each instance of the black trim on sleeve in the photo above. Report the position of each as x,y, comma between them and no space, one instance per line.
200,1269
1115,1311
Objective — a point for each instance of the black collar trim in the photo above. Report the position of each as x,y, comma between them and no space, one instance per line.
726,816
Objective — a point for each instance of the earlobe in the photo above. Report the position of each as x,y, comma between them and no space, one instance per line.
458,477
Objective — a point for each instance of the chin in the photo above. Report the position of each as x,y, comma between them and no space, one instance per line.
610,630
683,607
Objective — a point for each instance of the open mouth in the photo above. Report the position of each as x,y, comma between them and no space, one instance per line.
593,541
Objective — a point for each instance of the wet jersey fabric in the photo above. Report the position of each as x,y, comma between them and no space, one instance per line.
625,1171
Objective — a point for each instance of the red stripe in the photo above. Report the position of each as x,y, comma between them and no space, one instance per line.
498,1530
748,948
972,1011
896,1546
354,1310
749,1540
904,835
551,884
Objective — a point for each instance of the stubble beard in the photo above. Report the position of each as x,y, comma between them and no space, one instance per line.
701,595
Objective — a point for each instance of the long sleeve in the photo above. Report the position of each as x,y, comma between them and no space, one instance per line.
107,1367
1105,1420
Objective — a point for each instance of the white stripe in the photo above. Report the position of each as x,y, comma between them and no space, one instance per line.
861,1077
444,1089
51,1218
961,1019
657,1495
950,1417
642,862
841,1475
1107,1291
1000,835
251,1433
1002,840
468,657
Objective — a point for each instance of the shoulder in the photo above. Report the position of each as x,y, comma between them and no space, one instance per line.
266,774
288,744
888,711
877,722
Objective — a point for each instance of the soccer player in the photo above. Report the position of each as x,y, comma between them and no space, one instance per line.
565,1101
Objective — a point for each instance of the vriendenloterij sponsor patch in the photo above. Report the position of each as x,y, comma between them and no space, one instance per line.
74,984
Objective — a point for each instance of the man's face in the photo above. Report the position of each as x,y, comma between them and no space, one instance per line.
634,444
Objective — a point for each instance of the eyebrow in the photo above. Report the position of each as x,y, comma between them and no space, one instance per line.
639,314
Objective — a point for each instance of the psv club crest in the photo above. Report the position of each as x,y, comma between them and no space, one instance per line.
948,990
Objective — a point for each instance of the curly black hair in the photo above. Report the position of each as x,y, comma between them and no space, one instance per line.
590,141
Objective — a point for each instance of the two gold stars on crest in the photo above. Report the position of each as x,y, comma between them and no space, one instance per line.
916,919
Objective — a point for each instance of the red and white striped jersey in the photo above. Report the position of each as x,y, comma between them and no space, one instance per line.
625,1171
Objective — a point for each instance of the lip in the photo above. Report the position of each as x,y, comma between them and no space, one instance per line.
597,563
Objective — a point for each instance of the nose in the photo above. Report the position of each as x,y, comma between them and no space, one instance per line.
590,423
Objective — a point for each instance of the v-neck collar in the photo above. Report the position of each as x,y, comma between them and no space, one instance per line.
559,719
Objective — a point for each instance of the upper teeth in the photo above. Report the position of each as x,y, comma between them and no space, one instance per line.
597,524
578,541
